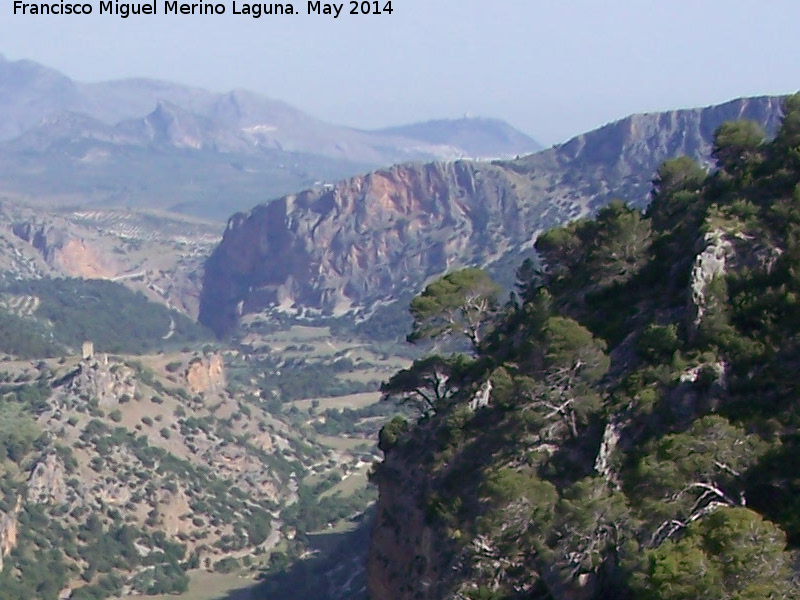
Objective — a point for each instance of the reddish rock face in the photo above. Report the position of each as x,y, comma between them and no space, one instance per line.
206,374
66,252
366,239
9,529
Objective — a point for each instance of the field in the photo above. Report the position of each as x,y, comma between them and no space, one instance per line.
212,586
339,402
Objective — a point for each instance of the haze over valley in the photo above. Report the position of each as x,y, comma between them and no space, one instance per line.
153,144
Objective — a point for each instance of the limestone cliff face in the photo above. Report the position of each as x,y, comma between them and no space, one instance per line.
375,236
66,253
407,559
368,238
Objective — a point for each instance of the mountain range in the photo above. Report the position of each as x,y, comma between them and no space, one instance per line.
372,238
335,248
141,142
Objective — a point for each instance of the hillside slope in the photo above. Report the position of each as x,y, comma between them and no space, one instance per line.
154,253
626,427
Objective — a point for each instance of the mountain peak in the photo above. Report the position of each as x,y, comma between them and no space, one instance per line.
472,137
175,126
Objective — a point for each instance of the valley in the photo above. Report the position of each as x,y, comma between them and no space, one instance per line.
215,411
235,456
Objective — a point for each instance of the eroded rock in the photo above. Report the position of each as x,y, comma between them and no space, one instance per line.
107,383
710,264
9,531
46,482
206,374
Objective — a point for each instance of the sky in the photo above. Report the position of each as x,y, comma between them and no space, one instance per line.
553,69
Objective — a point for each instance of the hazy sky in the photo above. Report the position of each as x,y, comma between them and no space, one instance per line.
551,68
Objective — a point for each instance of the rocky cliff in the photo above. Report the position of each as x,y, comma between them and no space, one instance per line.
366,239
408,556
65,253
157,255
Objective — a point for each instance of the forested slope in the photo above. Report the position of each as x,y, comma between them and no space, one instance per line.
626,425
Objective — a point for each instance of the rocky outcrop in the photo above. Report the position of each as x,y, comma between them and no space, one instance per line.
46,482
709,265
97,380
206,374
66,253
344,247
9,531
407,559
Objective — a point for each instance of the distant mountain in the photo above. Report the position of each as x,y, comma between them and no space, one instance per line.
149,143
373,238
29,92
477,137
